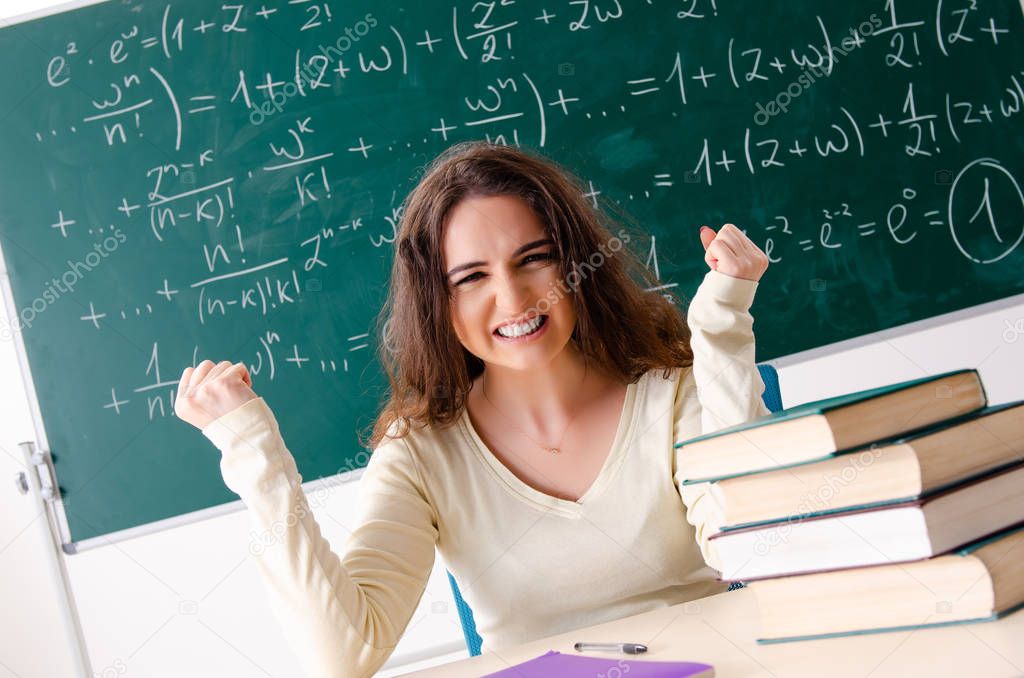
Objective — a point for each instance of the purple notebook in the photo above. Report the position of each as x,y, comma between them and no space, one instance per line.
572,665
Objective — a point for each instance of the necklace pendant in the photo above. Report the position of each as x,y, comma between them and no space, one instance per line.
553,450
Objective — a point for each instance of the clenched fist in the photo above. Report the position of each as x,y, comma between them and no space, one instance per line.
208,391
731,252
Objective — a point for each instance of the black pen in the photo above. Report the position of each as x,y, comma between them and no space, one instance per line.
628,648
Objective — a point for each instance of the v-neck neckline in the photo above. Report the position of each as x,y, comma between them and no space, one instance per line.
522,490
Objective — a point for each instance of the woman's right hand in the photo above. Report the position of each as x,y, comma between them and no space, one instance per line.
210,390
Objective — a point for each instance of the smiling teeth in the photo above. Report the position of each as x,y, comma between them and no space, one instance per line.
520,330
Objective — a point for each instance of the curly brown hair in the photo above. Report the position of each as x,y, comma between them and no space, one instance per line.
620,326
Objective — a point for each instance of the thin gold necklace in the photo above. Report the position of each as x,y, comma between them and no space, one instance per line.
552,450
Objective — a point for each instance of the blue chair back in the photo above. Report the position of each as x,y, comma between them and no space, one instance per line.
772,397
473,639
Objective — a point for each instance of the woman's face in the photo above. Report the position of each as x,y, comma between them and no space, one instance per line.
501,264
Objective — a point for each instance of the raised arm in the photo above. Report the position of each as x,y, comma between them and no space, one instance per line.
729,385
341,616
725,381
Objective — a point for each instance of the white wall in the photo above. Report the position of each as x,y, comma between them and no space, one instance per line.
30,615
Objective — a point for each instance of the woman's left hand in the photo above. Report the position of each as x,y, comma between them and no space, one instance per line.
731,252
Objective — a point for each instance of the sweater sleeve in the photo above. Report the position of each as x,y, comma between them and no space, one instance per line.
726,387
341,616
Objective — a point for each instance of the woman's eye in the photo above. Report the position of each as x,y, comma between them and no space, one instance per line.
526,260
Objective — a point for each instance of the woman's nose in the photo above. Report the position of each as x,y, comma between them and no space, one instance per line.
511,294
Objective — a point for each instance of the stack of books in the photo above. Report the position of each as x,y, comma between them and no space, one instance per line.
892,508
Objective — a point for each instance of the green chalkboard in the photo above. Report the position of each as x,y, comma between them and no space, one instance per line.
190,179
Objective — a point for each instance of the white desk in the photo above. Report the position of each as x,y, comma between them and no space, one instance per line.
720,630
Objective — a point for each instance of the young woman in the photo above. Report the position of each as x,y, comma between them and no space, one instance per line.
536,391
